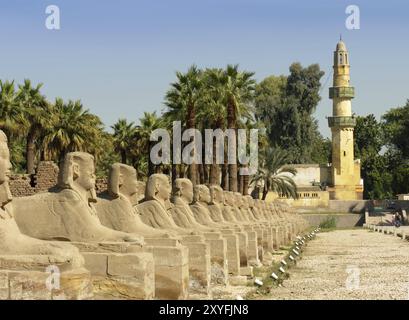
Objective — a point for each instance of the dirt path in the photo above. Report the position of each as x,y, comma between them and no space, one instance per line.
349,264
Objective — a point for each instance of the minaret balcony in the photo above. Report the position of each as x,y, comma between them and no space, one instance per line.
342,92
349,122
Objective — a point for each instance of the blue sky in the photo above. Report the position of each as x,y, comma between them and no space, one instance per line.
119,56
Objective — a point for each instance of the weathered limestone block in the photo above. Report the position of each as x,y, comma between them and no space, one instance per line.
170,265
121,276
37,285
30,263
199,266
116,210
171,272
218,253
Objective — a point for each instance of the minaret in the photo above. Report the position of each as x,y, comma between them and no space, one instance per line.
342,123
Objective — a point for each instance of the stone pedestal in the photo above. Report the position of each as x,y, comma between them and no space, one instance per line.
170,267
121,275
37,285
218,254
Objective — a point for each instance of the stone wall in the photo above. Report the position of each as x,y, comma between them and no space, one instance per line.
347,220
20,185
101,185
45,178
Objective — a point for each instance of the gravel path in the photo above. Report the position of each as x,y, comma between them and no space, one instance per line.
374,265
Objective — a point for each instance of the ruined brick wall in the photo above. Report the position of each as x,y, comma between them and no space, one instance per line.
46,176
20,185
101,185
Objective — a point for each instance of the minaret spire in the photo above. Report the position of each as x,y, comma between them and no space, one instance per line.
342,123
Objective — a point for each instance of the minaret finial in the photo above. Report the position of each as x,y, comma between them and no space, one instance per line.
340,37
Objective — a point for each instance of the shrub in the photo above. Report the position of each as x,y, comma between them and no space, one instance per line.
328,223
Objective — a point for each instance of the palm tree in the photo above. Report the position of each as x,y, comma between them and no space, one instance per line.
72,129
211,112
10,111
238,92
142,145
36,117
124,133
275,175
182,100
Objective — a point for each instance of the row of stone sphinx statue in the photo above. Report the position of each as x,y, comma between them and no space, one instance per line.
136,241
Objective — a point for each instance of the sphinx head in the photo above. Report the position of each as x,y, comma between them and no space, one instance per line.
183,188
249,200
141,186
5,167
216,194
78,173
238,199
229,198
158,187
201,193
122,181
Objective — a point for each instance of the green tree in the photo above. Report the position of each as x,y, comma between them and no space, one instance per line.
10,111
36,115
396,128
286,106
238,92
124,133
211,114
182,100
275,175
141,148
73,129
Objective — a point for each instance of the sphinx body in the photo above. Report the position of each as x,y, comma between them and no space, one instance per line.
116,208
157,211
68,213
12,241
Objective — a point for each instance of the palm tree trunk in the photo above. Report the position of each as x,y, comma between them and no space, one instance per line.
265,191
239,182
151,166
215,167
174,172
123,156
225,173
246,180
30,152
201,173
191,124
231,124
256,192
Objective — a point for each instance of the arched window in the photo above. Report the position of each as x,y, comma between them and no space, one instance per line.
341,58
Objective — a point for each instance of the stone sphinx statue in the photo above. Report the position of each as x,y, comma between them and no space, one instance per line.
117,207
13,242
156,210
229,210
69,212
200,207
217,205
242,207
183,196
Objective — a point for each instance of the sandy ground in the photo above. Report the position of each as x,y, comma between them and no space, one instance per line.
349,264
